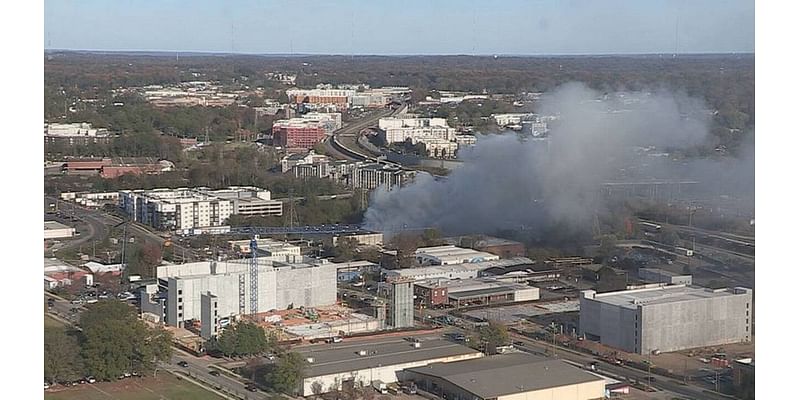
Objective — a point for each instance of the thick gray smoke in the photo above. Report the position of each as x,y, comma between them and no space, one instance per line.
508,183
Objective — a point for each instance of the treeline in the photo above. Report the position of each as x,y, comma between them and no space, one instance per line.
112,342
725,82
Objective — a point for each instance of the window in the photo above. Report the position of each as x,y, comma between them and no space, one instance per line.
180,315
180,307
180,292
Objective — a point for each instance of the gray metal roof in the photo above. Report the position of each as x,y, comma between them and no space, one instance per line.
494,376
343,357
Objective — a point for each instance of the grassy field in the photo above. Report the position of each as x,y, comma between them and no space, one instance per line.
52,322
163,387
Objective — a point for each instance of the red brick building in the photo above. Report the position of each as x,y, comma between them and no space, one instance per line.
297,134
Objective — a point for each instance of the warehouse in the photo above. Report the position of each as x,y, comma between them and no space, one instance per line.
55,230
449,255
333,366
657,275
457,293
666,318
508,377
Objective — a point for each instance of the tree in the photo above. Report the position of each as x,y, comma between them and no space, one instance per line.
493,335
345,250
62,360
288,374
116,341
244,338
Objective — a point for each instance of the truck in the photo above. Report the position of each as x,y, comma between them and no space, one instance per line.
380,387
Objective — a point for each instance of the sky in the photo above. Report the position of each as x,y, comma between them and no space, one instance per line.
518,27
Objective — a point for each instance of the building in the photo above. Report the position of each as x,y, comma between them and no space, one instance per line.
667,318
61,273
333,367
366,238
109,168
463,292
397,130
508,377
297,133
248,200
329,121
522,269
606,279
290,161
55,230
80,133
501,247
450,255
459,271
339,98
92,200
657,275
401,303
188,208
209,316
280,285
278,251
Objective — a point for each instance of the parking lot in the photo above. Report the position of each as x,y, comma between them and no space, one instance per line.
512,314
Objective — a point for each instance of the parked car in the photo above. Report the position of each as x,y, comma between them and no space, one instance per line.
251,387
214,373
183,364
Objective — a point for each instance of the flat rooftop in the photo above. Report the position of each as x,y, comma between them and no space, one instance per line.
343,357
452,251
665,294
500,375
662,272
52,225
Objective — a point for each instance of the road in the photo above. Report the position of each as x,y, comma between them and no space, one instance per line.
99,224
351,130
199,368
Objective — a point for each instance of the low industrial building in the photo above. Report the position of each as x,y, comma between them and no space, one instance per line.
524,270
280,285
275,250
55,230
449,255
667,318
458,293
367,238
657,275
606,279
508,377
335,366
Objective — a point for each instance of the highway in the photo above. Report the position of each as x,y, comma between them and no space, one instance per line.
99,224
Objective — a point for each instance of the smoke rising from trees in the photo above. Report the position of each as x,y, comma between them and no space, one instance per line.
509,183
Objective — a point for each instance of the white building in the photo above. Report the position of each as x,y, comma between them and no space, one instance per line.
277,251
449,255
55,230
667,318
329,121
188,208
73,129
280,286
417,129
364,362
291,160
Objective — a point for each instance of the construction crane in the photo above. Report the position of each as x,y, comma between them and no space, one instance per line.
254,276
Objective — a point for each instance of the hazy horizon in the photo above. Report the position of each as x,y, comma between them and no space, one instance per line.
513,27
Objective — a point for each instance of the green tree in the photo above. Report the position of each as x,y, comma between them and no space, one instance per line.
62,356
243,338
492,336
116,341
287,375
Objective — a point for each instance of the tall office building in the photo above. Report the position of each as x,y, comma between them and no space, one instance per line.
401,303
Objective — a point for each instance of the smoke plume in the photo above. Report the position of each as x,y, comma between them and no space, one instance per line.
507,182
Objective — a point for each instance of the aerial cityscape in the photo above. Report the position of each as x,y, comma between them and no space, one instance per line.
263,223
